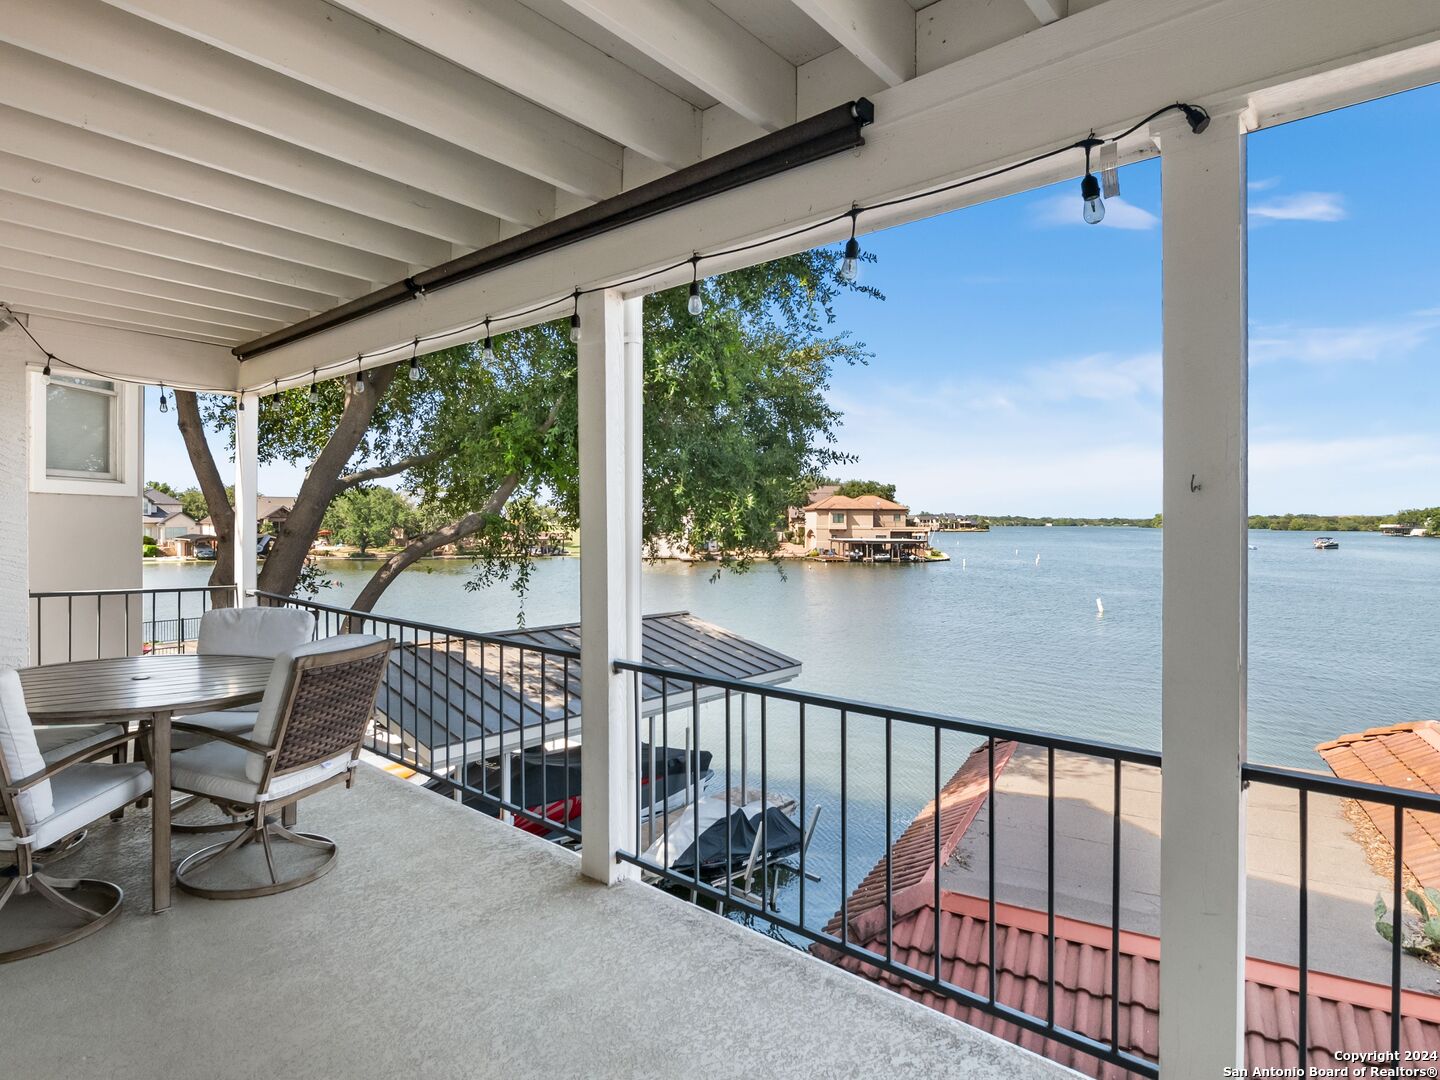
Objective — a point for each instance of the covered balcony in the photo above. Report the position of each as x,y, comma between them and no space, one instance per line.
244,199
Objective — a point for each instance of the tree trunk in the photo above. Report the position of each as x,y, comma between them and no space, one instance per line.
292,542
421,546
212,486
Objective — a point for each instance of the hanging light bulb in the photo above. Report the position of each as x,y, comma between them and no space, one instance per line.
314,395
1090,187
164,401
359,376
850,264
575,321
696,304
488,352
415,363
46,373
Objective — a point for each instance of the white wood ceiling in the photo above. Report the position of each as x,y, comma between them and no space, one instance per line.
218,169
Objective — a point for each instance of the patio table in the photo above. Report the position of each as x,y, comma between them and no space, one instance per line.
152,690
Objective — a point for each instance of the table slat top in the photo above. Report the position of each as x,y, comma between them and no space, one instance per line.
141,685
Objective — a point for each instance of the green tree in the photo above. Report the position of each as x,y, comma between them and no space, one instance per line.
192,501
736,427
853,489
162,486
370,516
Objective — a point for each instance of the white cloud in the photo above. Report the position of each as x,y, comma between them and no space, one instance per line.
1265,184
1119,214
1361,474
1301,206
1366,343
1101,377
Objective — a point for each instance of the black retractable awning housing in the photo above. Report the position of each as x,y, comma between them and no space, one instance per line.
819,136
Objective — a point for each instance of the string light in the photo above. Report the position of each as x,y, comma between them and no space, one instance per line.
1090,186
48,358
314,395
488,352
696,304
164,402
850,263
359,375
575,321
415,362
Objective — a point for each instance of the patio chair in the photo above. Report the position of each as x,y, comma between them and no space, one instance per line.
41,804
307,737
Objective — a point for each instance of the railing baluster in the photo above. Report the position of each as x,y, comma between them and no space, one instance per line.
803,817
939,911
729,833
1115,918
1050,886
1302,1037
889,839
844,838
989,861
1399,847
692,766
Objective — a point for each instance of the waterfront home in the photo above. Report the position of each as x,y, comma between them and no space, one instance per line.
862,525
795,515
256,196
161,518
270,512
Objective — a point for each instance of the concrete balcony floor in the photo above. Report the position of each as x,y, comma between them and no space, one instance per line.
445,944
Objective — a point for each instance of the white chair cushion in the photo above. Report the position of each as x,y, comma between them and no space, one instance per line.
254,631
274,699
219,769
230,721
20,750
82,794
58,741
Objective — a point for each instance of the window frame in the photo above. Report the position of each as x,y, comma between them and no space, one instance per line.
125,434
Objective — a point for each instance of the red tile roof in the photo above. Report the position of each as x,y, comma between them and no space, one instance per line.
913,855
1405,756
856,502
1344,1014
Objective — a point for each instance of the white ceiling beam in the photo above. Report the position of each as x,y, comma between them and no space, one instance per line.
507,43
82,150
36,179
86,225
322,46
29,262
1048,11
148,57
1030,95
39,85
128,353
247,290
139,302
878,33
31,300
707,49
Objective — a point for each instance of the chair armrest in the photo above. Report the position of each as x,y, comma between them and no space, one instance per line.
87,754
224,736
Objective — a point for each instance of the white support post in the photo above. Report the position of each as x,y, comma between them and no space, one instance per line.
247,452
609,401
1202,864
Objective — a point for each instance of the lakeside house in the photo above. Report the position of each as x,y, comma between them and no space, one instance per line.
161,518
862,526
270,513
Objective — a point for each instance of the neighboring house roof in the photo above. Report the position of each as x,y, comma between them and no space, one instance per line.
1405,756
857,502
453,704
161,500
1344,1016
267,507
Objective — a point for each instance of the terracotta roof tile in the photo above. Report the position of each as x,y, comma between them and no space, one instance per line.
856,502
1405,756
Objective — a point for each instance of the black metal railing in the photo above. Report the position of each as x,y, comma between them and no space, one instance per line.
102,624
491,720
1387,800
854,782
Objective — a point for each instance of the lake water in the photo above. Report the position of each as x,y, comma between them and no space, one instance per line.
1339,641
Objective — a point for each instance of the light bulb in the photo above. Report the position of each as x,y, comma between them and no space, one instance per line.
1094,204
359,382
488,353
850,264
575,329
696,304
314,395
164,402
414,370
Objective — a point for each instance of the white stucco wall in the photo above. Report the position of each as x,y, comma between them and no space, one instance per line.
15,350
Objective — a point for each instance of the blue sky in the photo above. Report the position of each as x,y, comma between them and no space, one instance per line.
1016,358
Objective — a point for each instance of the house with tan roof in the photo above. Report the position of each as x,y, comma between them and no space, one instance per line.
864,527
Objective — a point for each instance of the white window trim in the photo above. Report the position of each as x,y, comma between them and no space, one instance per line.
127,436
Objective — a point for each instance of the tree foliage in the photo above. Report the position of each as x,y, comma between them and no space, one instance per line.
370,516
854,489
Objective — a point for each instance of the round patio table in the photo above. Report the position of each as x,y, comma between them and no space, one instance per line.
151,690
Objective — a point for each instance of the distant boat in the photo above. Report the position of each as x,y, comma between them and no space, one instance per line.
1099,607
1324,543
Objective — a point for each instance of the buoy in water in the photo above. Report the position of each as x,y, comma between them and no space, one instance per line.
962,564
1037,560
1099,608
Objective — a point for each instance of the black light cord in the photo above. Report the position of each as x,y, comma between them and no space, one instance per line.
1196,116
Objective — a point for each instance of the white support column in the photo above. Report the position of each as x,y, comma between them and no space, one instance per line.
247,451
1202,866
609,401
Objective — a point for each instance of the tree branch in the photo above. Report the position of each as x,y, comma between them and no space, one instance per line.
212,486
361,476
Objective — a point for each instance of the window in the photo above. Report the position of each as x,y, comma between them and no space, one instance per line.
81,425
837,519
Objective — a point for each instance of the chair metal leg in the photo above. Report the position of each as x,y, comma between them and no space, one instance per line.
29,882
260,829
